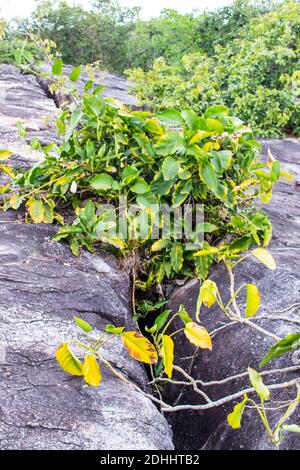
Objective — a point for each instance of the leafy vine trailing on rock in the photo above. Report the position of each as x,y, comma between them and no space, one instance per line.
105,184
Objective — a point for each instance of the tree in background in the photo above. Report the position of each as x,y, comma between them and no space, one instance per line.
85,36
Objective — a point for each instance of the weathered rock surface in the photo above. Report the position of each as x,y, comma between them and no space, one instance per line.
239,346
115,86
41,287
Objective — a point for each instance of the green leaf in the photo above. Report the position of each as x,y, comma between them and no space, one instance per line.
115,330
147,200
235,417
283,346
206,227
208,176
102,182
291,428
176,256
140,187
170,143
258,385
68,361
161,320
215,111
170,116
191,119
57,67
94,104
253,300
129,174
221,160
84,325
170,168
183,315
75,74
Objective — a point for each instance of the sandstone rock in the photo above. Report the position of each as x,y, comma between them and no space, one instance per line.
238,347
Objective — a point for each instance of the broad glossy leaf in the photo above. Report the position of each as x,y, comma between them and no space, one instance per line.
102,182
170,168
147,200
68,361
91,371
208,176
161,320
167,352
291,428
253,300
216,110
176,256
183,315
75,74
84,325
191,119
15,201
139,347
170,143
160,244
36,210
170,116
198,335
258,385
264,257
140,187
208,292
235,417
94,105
57,67
283,346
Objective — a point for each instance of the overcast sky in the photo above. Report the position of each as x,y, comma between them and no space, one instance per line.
12,8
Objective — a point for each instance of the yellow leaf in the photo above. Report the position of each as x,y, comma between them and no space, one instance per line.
91,371
207,146
68,361
265,257
253,300
206,252
198,335
8,170
59,218
200,135
15,201
114,241
5,154
139,347
36,210
167,352
208,292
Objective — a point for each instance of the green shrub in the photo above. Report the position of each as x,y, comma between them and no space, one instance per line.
110,153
